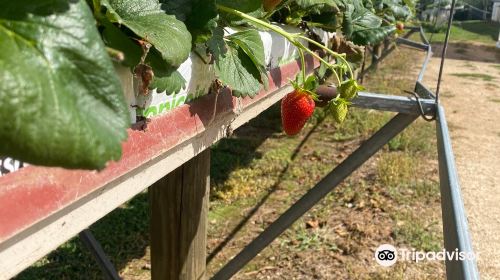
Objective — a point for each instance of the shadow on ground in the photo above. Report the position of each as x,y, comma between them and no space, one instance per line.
123,234
479,27
239,150
468,51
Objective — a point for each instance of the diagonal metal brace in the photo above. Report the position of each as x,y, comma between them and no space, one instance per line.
97,252
318,192
413,44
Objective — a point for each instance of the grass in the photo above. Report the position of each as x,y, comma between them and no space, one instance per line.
259,172
394,168
478,31
420,236
484,77
469,65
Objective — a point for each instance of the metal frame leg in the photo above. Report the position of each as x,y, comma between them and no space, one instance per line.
97,252
314,195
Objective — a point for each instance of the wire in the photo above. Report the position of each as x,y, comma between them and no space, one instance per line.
445,47
443,58
421,108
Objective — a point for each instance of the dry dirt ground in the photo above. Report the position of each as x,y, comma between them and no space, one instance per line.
471,96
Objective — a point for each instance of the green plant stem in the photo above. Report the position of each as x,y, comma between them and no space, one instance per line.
288,36
335,54
303,65
315,55
322,26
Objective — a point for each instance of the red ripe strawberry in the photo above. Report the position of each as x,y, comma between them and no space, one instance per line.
269,5
296,108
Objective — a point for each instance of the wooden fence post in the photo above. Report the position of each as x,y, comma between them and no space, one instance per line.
179,207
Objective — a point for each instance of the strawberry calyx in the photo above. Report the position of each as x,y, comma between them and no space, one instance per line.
349,89
308,86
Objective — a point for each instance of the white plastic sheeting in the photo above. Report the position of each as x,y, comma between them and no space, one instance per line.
199,75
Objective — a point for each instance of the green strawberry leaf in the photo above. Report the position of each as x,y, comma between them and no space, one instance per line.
61,101
395,8
250,42
238,71
148,21
357,18
362,26
372,36
172,83
253,8
311,83
166,78
319,6
200,16
216,45
322,71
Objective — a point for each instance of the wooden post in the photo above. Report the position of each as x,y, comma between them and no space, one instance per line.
179,207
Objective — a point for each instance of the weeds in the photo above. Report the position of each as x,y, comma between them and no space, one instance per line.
395,169
420,235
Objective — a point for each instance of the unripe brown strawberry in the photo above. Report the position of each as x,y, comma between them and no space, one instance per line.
400,26
269,5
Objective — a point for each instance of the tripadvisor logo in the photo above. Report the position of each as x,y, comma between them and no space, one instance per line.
387,255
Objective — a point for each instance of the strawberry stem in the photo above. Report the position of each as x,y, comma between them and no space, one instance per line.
288,36
324,61
334,54
303,65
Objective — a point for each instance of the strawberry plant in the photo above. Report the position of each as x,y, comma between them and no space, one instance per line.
61,102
